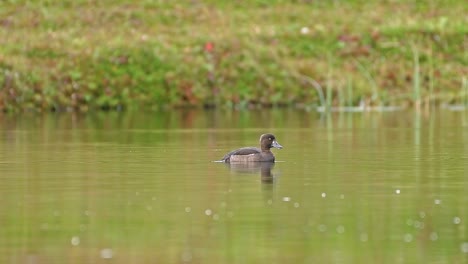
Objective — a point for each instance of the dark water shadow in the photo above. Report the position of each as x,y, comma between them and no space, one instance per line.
262,168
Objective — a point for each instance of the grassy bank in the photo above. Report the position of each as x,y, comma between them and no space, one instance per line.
84,55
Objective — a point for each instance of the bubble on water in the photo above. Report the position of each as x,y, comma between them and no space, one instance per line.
153,198
418,224
223,204
409,222
149,208
363,237
464,247
87,213
230,214
437,201
106,253
408,238
208,212
286,199
456,220
75,241
422,214
137,193
397,191
296,205
322,228
216,217
186,256
340,229
433,236
324,195
188,209
341,196
269,202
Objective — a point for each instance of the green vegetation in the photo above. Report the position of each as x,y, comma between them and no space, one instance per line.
83,55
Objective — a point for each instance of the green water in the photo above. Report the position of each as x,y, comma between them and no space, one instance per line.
142,188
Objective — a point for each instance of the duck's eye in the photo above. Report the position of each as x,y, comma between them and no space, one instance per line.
269,139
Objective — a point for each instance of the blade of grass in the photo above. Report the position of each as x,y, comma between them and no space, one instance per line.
341,96
431,78
416,78
349,88
370,79
317,88
465,91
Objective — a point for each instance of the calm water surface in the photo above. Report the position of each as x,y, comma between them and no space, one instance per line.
142,188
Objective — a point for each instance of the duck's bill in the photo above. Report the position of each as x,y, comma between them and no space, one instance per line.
275,144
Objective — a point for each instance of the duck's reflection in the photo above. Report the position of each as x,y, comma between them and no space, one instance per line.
264,168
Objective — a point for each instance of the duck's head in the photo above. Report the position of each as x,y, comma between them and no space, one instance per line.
268,141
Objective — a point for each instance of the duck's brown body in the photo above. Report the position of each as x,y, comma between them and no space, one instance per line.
252,154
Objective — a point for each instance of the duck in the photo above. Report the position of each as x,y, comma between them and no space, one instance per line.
253,154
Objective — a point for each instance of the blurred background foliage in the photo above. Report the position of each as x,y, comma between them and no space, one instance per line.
87,55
